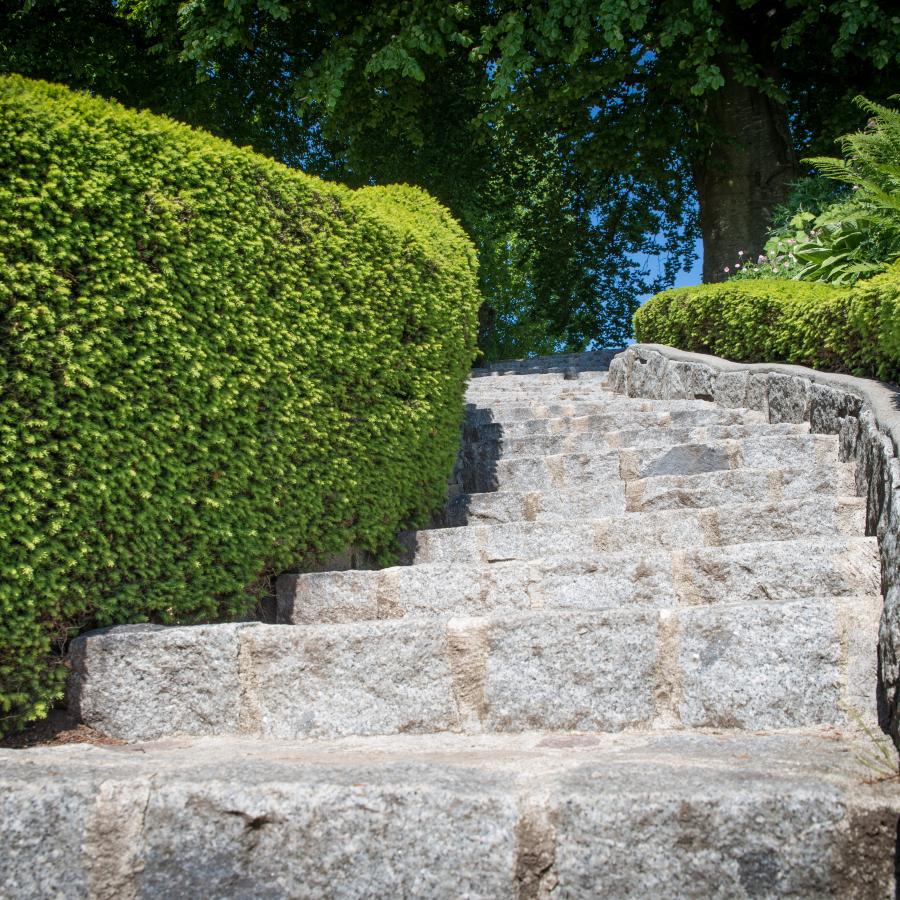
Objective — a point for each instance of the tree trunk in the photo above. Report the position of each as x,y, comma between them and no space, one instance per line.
743,176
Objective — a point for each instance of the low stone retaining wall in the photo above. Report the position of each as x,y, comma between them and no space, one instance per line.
866,415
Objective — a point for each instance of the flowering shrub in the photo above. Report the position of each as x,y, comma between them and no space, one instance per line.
856,235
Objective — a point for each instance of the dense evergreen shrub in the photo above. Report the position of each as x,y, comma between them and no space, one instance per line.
211,366
854,330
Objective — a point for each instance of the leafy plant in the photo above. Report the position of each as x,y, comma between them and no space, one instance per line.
856,235
850,329
211,367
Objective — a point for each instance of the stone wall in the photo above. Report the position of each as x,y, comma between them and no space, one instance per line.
866,415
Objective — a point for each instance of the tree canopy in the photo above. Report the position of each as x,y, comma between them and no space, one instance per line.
573,139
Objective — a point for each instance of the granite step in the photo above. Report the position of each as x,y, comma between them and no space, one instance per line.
631,815
813,452
479,424
613,497
508,413
505,447
541,387
756,572
557,363
820,516
762,666
761,451
744,485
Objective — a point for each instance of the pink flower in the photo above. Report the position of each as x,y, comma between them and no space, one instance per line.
740,252
727,269
762,258
737,265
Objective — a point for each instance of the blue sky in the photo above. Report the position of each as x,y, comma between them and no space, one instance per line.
683,279
695,276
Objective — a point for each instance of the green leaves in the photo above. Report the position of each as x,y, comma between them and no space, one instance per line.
213,368
857,234
854,330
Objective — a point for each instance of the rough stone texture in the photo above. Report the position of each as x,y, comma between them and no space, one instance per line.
483,427
740,642
823,516
606,662
502,446
779,451
751,572
864,414
568,697
747,667
171,680
371,678
627,815
482,508
744,485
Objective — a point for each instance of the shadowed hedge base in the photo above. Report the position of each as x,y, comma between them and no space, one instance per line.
855,330
212,366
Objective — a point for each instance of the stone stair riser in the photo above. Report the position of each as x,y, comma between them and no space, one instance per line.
517,413
669,529
614,497
794,664
630,816
743,485
809,452
585,442
742,573
483,426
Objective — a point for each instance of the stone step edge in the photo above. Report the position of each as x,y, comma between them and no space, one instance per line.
487,818
780,429
851,542
408,538
474,674
363,595
811,441
633,485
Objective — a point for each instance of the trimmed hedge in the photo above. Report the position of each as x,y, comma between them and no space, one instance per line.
212,366
855,330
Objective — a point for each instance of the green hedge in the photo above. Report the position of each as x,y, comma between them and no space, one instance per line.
211,366
854,330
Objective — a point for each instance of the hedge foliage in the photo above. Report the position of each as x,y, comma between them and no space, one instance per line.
211,366
854,330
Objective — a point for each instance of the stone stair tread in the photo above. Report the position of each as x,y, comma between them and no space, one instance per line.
816,516
752,572
445,816
792,663
647,436
482,426
745,484
559,470
614,497
511,410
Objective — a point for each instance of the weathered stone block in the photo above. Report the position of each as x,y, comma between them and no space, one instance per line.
788,398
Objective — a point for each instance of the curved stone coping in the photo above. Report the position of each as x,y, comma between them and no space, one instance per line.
881,397
864,413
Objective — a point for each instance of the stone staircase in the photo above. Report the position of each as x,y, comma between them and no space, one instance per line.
636,657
